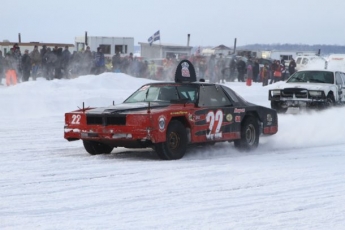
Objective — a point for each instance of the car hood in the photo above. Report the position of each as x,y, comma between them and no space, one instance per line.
302,85
128,107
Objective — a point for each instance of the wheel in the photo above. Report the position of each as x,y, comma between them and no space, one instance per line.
249,134
176,142
277,106
95,148
330,101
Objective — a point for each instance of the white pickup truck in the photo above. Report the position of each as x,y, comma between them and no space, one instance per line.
312,88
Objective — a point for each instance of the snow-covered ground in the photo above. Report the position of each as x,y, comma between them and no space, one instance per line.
294,180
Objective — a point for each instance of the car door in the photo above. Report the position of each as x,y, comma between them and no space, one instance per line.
214,118
340,85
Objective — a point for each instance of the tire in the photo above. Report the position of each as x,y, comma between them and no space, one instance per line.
330,101
249,135
95,148
175,145
276,106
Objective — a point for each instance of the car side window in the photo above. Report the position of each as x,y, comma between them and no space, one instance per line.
298,61
305,61
343,77
338,79
213,95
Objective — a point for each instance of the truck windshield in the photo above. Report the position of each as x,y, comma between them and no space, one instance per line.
326,77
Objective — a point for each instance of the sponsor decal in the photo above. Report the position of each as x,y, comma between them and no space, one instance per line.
178,113
239,110
197,117
228,117
185,70
161,123
238,119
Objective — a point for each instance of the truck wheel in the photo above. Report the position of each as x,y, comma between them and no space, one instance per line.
95,148
249,135
176,142
277,106
330,101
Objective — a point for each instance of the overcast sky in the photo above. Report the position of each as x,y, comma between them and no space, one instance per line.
209,22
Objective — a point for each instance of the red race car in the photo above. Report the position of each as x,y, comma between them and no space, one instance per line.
169,116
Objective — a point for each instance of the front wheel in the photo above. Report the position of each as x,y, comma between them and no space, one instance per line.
176,142
249,135
95,148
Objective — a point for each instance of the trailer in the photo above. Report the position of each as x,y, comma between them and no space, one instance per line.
110,45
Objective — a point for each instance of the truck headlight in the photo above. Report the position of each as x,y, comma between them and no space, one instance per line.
315,93
275,92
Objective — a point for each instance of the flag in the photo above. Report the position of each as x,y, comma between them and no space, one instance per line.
155,37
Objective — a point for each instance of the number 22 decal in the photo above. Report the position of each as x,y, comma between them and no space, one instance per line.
213,118
75,119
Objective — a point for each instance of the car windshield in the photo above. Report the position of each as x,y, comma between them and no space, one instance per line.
313,76
164,93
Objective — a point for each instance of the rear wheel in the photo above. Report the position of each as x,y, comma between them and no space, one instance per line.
176,142
95,148
249,134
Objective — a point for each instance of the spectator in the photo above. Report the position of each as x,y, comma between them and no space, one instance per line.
57,64
116,61
2,63
241,69
292,67
65,58
277,72
35,61
86,63
220,69
10,69
50,59
211,69
43,51
264,74
256,70
26,65
99,61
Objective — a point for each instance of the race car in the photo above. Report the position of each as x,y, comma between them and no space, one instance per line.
309,89
171,116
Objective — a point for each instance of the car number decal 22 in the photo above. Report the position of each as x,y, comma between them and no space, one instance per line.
214,119
75,119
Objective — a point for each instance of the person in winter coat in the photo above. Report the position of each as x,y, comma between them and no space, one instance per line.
26,65
35,61
292,67
241,69
10,69
256,70
50,59
99,61
65,58
264,74
2,68
211,69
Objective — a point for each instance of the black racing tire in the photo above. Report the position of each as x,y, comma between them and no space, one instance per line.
276,105
250,134
95,148
176,142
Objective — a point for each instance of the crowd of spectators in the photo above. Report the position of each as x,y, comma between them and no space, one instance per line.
60,63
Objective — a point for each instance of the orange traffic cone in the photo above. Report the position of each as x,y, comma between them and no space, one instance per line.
249,81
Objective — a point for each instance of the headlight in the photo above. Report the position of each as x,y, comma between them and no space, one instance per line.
275,92
315,93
